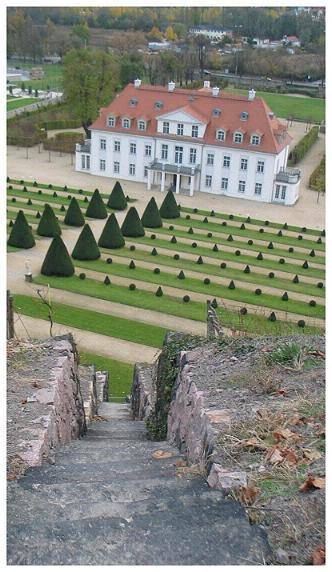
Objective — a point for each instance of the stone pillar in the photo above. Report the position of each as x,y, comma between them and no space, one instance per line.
192,180
149,179
162,188
177,189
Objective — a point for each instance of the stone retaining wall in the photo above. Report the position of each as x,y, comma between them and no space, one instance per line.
143,394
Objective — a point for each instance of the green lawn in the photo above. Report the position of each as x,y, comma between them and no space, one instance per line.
97,322
52,75
120,374
16,103
69,190
300,108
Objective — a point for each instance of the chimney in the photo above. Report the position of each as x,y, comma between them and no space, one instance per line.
171,86
206,85
137,83
251,94
215,91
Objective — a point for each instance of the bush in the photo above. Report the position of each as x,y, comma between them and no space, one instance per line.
132,286
209,235
154,252
303,146
132,225
300,237
195,210
74,216
312,303
205,220
194,244
57,261
258,291
215,248
176,256
21,182
96,208
230,238
224,223
132,247
21,235
231,285
132,265
190,230
199,260
68,197
153,237
238,253
301,323
320,285
322,233
291,249
281,261
35,184
284,297
80,191
312,253
250,241
29,202
243,311
50,186
271,274
261,230
231,217
65,189
63,208
151,217
206,281
82,276
270,245
169,208
86,200
223,265
173,240
305,264
186,298
248,219
214,304
86,247
40,192
280,233
63,142
10,224
10,187
156,270
48,224
181,275
266,223
13,200
247,269
296,279
243,227
38,215
212,213
109,260
159,292
317,177
107,281
188,217
272,317
259,256
55,194
304,229
285,226
319,240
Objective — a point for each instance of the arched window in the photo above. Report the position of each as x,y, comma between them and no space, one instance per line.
220,135
111,121
126,122
238,137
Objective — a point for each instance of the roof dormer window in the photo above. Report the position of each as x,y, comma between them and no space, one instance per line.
159,105
238,137
244,116
255,139
125,122
220,135
111,121
216,112
141,125
133,102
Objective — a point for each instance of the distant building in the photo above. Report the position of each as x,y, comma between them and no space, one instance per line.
52,59
266,43
210,32
36,73
192,140
159,46
292,41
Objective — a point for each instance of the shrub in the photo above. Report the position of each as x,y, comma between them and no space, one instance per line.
194,244
132,247
195,210
156,270
190,230
132,225
48,224
107,281
250,241
209,235
186,298
303,146
151,217
199,260
281,261
261,230
291,249
270,245
132,265
68,197
154,252
205,220
173,239
188,217
10,187
25,189
300,237
224,223
38,215
258,291
74,216
284,297
243,227
231,285
319,240
320,285
82,276
312,253
86,247
55,194
317,177
322,233
11,223
237,252
117,199
96,208
266,223
111,236
243,311
248,219
259,256
57,261
223,265
86,200
176,256
29,202
181,275
285,226
272,317
63,208
247,269
230,238
305,264
312,303
296,279
35,184
231,217
215,248
65,188
169,208
13,200
80,191
206,281
271,274
21,235
109,260
40,192
214,304
132,286
159,292
301,323
212,213
304,229
280,233
21,182
153,237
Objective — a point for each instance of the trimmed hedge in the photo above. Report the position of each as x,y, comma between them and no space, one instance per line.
111,236
48,224
169,208
86,247
151,217
303,146
21,234
117,199
74,216
57,261
132,225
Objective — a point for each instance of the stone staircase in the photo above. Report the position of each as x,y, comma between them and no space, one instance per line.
107,501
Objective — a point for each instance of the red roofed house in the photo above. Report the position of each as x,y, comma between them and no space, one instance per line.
191,141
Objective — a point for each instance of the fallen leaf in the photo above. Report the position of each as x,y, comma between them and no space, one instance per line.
249,494
281,391
286,434
311,454
318,556
162,454
274,456
98,418
296,420
181,463
290,456
254,444
312,483
192,470
317,353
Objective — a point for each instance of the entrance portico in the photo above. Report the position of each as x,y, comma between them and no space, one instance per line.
175,176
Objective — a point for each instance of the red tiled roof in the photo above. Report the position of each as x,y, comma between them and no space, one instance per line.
199,104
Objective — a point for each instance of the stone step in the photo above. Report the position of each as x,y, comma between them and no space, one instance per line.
133,452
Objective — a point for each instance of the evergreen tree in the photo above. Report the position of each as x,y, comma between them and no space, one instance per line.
111,236
74,216
169,208
57,261
21,234
117,199
48,224
86,247
132,225
151,217
96,208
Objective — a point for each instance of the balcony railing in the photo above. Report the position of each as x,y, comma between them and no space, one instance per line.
288,176
84,147
174,168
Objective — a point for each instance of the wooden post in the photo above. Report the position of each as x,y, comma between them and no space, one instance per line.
10,316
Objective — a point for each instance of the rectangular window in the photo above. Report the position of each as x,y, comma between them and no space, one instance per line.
141,125
260,166
283,192
178,154
221,135
255,140
102,165
102,143
83,161
194,131
145,171
208,181
116,167
164,152
277,193
258,189
132,169
242,186
224,183
210,159
179,129
227,161
165,127
148,150
133,148
88,161
126,123
111,121
244,164
192,156
116,145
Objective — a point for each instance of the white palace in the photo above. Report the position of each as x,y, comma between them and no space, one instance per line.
192,140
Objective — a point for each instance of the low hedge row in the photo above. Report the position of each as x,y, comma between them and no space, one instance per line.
303,146
317,177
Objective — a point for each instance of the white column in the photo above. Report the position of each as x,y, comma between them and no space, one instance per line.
149,179
162,181
177,190
192,180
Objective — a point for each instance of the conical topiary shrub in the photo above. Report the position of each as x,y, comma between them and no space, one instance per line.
181,275
296,279
63,208
151,217
159,292
247,269
107,280
312,253
305,264
111,236
231,285
11,223
259,256
57,261
230,238
154,252
173,240
190,230
319,240
270,245
117,199
169,208
199,260
86,247
272,317
132,225
132,265
21,234
243,226
38,215
215,248
48,224
280,233
284,297
96,208
74,216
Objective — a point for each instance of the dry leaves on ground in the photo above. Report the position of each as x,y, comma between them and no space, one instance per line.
318,556
162,454
311,483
